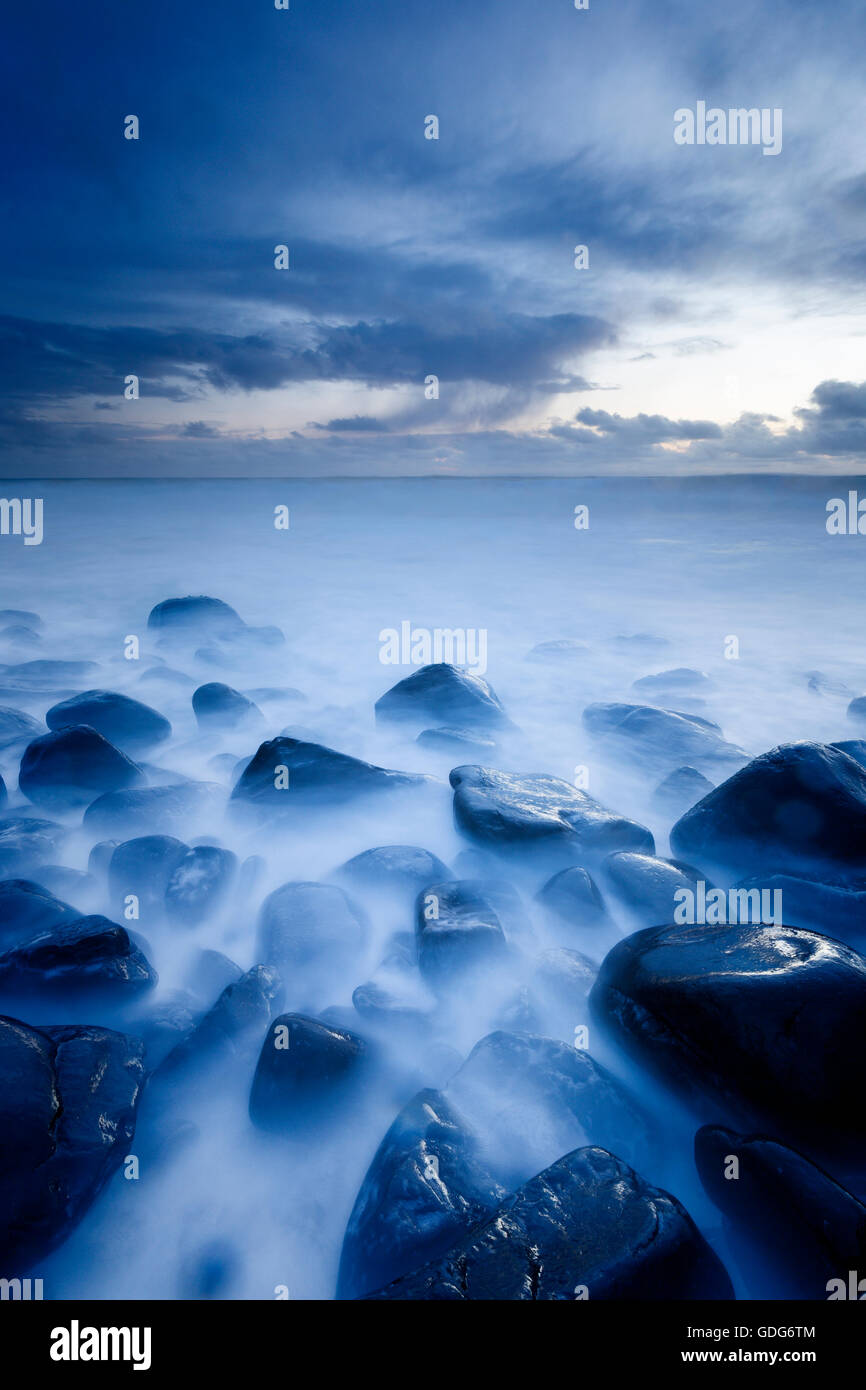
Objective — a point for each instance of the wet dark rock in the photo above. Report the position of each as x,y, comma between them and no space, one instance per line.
663,734
424,1189
68,1098
586,1226
457,742
445,694
26,909
218,706
398,870
17,728
395,999
561,651
302,925
90,955
127,723
199,884
835,907
100,856
153,809
304,1068
573,895
27,842
789,1211
857,709
680,678
457,933
854,747
194,615
168,1023
70,767
242,1011
766,1023
530,1098
798,806
536,812
646,885
316,775
681,789
143,866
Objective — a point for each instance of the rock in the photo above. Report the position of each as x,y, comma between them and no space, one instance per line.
27,842
73,885
789,1211
152,809
199,884
218,706
312,929
857,709
561,651
681,678
836,908
167,1024
213,655
396,998
168,676
588,1226
20,615
313,775
211,974
681,789
304,1071
530,1098
274,694
424,1189
456,742
397,870
128,724
457,933
27,909
194,616
563,979
143,866
243,1010
69,768
854,747
68,1098
17,728
90,955
801,805
646,885
100,856
42,675
540,813
767,1023
446,694
663,734
18,635
573,895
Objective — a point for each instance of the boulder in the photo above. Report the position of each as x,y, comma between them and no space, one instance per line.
798,807
199,884
311,928
539,813
218,706
681,789
561,651
457,742
68,768
153,810
680,678
194,616
87,956
240,1013
17,728
27,842
305,1070
445,694
662,734
646,885
425,1188
573,895
143,866
586,1227
128,724
785,1209
312,775
457,932
27,909
397,870
68,1098
766,1024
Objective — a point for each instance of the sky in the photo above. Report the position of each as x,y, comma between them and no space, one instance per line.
718,326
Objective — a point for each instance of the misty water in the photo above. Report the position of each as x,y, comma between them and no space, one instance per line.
685,564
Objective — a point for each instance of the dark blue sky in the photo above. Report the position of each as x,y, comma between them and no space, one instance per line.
719,324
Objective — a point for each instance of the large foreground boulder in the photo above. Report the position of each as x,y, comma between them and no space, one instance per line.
539,813
304,1072
786,1210
762,1023
457,932
425,1188
89,956
68,1098
69,767
586,1227
798,807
